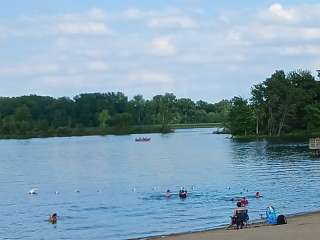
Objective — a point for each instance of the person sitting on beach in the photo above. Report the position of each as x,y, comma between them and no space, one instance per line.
244,202
168,193
182,193
53,218
240,216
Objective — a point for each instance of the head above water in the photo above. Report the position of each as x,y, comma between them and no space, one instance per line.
168,190
238,204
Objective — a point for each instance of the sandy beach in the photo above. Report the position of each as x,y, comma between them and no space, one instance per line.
302,227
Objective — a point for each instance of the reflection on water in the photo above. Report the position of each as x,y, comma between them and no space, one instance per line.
113,188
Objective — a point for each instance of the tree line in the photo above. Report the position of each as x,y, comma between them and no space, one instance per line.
100,113
282,104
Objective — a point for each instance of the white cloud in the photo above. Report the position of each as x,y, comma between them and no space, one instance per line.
301,50
28,69
279,13
166,19
91,22
149,77
98,66
98,49
82,28
133,14
307,14
97,14
172,22
163,46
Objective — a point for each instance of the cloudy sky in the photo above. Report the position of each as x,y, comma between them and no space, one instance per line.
202,49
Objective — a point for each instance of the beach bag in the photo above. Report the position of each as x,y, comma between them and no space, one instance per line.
271,215
281,219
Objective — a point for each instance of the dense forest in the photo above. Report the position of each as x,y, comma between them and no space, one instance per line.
101,113
283,104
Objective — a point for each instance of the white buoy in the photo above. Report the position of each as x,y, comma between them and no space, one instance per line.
56,192
34,191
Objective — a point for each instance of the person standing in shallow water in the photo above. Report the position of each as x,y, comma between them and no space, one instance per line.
53,218
183,193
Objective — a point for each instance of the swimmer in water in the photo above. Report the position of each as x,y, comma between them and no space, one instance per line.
53,218
258,195
168,193
182,193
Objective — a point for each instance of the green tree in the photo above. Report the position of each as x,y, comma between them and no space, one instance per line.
259,106
164,106
23,113
313,117
138,105
122,120
103,118
241,118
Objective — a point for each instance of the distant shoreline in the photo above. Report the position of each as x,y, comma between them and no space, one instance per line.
308,222
141,129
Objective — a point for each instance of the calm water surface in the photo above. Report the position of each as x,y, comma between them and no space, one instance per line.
121,183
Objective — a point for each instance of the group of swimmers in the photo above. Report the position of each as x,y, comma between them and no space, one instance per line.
182,193
239,218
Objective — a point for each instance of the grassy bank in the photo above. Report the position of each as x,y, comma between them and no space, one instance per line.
296,135
68,132
195,125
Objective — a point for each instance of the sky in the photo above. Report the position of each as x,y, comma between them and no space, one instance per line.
198,49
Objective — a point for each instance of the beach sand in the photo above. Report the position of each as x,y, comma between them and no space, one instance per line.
302,227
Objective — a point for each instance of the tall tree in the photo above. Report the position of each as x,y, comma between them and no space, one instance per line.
240,119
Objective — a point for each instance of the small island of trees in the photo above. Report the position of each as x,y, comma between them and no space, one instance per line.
282,105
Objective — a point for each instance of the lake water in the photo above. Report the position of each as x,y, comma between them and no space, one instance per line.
121,182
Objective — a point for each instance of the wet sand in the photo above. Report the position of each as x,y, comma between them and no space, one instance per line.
302,227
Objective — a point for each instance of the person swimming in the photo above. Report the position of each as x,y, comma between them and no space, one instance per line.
53,218
182,193
168,193
258,195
